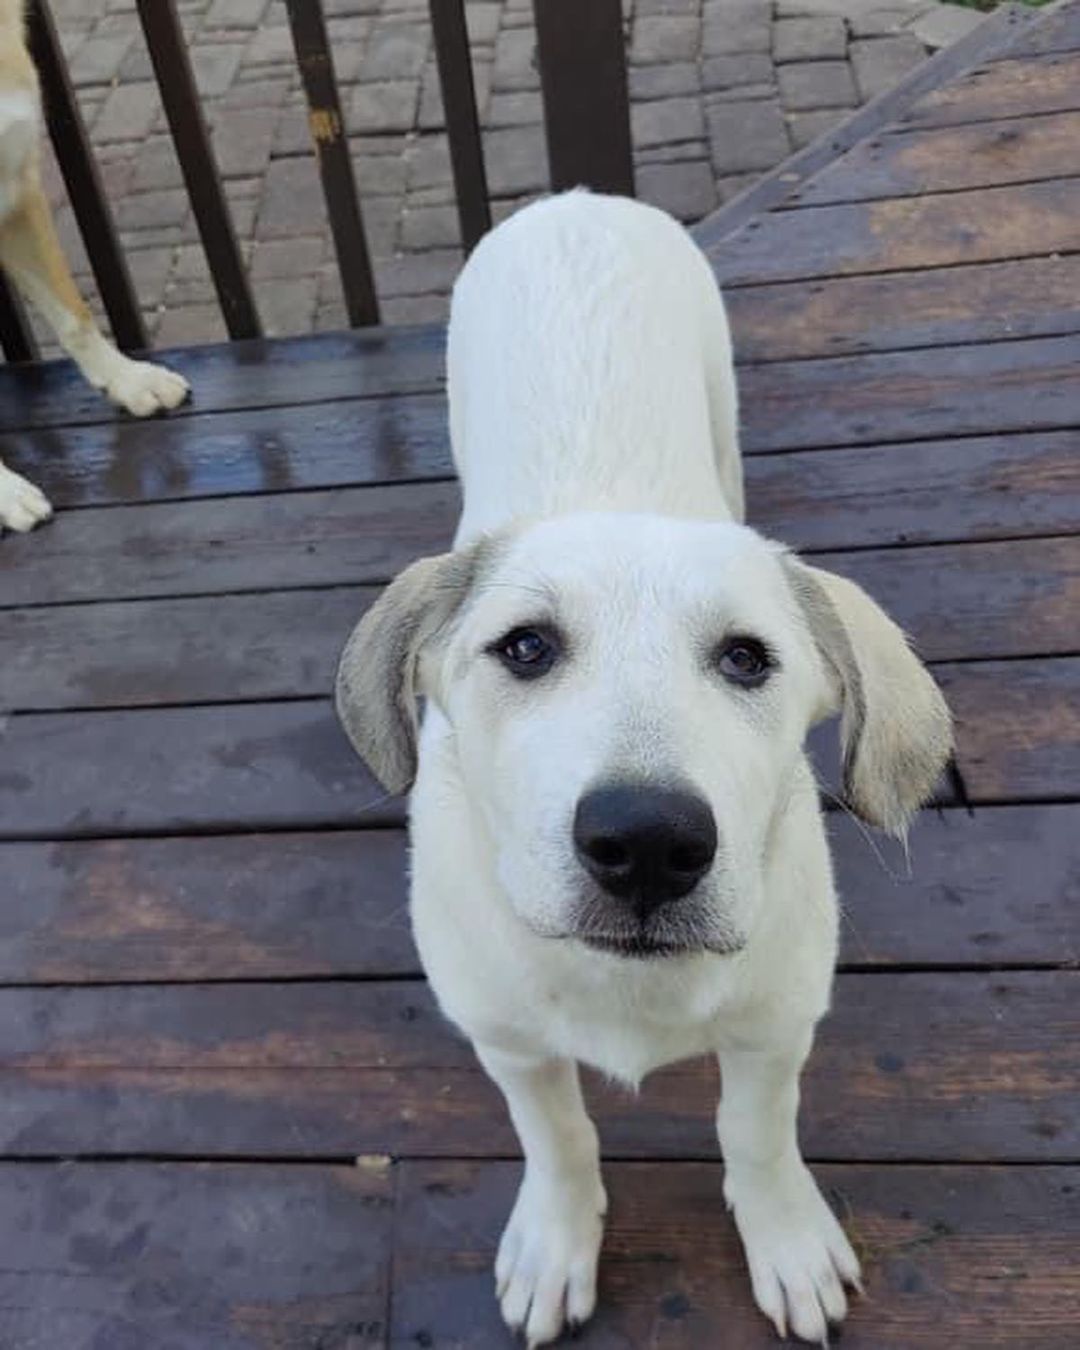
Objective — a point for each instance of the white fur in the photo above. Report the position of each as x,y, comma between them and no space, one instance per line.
592,404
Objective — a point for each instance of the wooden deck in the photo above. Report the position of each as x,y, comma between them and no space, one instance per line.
230,1116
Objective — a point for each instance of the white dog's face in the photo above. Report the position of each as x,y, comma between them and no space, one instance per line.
629,697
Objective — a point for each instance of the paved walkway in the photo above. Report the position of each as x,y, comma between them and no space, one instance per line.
722,90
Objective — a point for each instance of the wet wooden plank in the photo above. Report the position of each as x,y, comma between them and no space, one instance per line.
906,162
286,644
334,904
251,374
835,316
1011,87
253,766
988,1253
964,1066
940,229
979,487
256,450
365,535
237,1257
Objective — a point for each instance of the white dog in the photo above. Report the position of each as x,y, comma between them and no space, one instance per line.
619,855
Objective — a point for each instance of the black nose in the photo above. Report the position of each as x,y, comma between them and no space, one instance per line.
645,844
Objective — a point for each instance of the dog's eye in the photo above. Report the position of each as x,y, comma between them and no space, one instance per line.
745,661
527,652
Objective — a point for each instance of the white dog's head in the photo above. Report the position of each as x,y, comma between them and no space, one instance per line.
629,697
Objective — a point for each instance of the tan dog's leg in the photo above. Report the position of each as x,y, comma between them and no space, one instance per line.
31,254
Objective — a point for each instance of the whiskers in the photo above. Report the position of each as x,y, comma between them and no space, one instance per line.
868,838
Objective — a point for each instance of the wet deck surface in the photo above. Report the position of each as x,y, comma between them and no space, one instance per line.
210,1007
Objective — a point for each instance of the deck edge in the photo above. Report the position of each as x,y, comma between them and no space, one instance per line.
997,32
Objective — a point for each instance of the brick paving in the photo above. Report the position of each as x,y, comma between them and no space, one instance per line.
722,90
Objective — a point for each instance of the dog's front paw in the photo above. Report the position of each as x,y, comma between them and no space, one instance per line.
22,505
545,1272
142,387
799,1256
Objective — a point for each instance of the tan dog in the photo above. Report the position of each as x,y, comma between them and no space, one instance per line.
30,253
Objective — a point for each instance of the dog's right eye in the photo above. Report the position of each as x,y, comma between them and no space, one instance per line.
527,652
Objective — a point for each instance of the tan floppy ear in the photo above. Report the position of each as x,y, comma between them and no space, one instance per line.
895,729
376,689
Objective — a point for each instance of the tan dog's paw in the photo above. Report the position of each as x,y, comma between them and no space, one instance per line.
142,387
22,505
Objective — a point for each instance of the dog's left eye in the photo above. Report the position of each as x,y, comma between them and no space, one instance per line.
527,652
745,661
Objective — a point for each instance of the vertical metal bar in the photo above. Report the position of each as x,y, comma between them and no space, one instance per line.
16,335
172,66
84,187
454,59
332,150
586,103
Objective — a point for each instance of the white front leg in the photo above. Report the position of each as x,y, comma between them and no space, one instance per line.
798,1255
545,1271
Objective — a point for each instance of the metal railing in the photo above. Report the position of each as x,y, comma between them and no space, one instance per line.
582,66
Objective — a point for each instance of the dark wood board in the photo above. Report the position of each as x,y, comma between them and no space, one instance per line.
254,766
250,765
994,34
1000,887
353,535
835,316
906,162
1056,31
102,1257
902,234
346,536
988,487
246,906
1011,87
970,1256
286,644
1017,726
404,439
968,488
976,601
250,374
916,395
945,1066
141,653
277,449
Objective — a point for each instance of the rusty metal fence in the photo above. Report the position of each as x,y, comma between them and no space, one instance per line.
582,63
